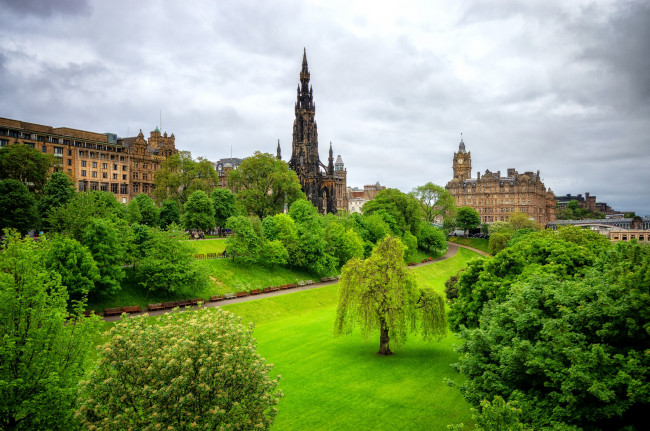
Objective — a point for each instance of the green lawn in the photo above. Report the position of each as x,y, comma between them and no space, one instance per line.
205,246
478,243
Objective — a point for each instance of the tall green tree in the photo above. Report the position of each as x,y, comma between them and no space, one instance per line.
17,207
25,164
41,356
199,212
225,205
133,215
380,293
404,208
432,239
467,218
179,176
187,370
74,263
311,254
342,244
244,245
73,218
57,192
435,201
264,185
168,266
102,238
148,210
169,213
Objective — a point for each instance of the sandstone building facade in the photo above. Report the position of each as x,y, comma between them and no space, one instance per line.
96,161
495,197
324,185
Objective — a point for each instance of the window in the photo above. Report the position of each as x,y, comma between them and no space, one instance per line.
93,186
114,167
112,156
135,175
103,187
114,188
104,165
94,165
144,176
121,158
69,152
58,151
144,166
114,176
124,177
4,142
83,163
145,188
136,165
92,154
83,173
104,175
81,153
136,188
83,186
94,174
102,156
44,149
124,167
69,162
124,189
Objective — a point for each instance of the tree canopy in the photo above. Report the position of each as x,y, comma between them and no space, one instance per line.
187,370
180,175
435,201
25,164
224,205
379,293
199,212
402,207
73,218
41,356
467,218
18,207
264,185
58,191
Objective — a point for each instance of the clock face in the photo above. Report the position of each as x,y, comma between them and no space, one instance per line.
460,161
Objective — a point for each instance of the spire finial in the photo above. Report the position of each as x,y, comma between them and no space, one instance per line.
279,155
461,146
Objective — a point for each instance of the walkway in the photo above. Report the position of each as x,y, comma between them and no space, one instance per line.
451,252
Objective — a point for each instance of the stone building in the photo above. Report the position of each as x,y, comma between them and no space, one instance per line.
357,197
495,197
223,168
587,202
96,161
324,185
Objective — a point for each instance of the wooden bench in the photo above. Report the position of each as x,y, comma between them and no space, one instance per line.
266,290
195,301
212,255
292,285
183,303
284,287
230,295
301,283
216,298
155,307
170,304
308,282
242,293
256,292
199,256
275,288
132,309
112,311
411,264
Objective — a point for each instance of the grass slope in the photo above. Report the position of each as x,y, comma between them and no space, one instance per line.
338,383
478,243
205,246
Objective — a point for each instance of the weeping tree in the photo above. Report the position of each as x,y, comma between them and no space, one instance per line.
380,293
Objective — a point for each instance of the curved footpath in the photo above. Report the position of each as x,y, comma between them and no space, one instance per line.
451,252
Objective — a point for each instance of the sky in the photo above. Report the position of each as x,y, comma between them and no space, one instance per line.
558,86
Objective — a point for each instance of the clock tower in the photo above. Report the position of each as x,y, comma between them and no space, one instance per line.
462,163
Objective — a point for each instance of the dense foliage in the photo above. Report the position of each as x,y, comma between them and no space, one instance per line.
18,206
467,218
404,209
180,175
558,322
58,191
188,370
41,356
199,212
380,294
435,201
27,165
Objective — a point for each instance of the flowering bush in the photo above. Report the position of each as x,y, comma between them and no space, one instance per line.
193,370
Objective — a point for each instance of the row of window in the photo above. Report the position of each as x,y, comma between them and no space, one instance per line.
92,185
104,175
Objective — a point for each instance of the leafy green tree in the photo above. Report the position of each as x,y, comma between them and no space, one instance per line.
148,210
82,208
411,243
376,228
225,205
265,185
179,176
101,237
243,245
168,266
188,370
491,280
139,245
519,220
467,218
18,207
432,239
199,212
498,241
41,356
404,208
435,201
133,214
571,352
74,263
380,293
27,165
497,415
169,213
342,244
273,253
57,192
311,254
284,230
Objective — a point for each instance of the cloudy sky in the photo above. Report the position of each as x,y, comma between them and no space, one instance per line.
557,86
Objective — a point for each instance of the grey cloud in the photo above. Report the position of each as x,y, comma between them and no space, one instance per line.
47,8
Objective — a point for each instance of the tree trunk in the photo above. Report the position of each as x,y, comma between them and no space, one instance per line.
384,349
